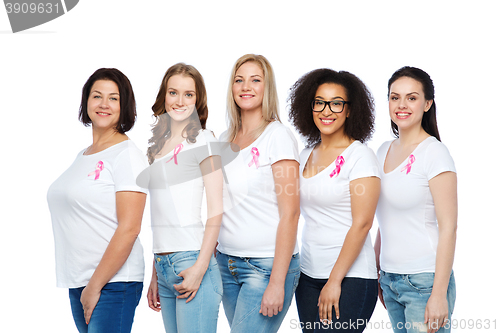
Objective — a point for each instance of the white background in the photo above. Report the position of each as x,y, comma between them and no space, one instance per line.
42,71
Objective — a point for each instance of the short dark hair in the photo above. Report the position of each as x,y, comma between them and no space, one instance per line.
359,125
429,121
127,99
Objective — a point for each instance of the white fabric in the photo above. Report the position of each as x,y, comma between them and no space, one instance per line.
176,194
251,216
325,203
83,211
405,212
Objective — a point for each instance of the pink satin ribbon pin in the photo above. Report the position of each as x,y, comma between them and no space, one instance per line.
339,162
97,172
255,158
407,167
176,151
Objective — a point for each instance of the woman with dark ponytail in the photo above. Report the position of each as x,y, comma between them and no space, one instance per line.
417,211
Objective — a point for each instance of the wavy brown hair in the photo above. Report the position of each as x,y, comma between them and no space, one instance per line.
161,127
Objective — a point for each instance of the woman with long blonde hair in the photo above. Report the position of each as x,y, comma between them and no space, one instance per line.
257,251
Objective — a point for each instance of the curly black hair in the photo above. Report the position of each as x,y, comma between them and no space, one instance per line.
359,125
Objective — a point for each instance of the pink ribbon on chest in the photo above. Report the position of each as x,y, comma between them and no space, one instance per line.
98,168
339,162
176,151
255,158
407,167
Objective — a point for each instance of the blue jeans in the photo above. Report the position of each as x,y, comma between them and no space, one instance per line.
358,298
114,313
201,313
406,296
245,280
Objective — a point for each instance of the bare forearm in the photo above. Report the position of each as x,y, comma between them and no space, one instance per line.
353,243
444,260
114,257
285,244
210,237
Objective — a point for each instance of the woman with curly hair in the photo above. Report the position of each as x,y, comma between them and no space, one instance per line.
186,284
258,255
417,211
340,185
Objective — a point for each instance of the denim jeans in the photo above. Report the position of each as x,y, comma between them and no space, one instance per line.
358,298
245,280
406,296
201,313
114,313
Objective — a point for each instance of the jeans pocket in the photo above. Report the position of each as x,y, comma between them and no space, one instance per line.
421,282
262,266
215,277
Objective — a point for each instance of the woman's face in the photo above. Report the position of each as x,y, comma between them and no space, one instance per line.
248,87
407,103
180,100
327,121
103,104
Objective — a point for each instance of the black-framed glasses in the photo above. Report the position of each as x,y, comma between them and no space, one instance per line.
336,106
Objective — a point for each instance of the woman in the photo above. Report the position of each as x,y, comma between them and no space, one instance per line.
340,185
96,209
417,211
258,256
186,284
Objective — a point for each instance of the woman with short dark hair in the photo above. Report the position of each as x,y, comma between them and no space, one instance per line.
96,208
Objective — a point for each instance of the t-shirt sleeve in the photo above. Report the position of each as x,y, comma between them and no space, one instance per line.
283,145
438,160
127,166
366,164
207,146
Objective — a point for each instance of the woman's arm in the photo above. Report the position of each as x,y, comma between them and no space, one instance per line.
129,210
364,199
153,297
212,178
376,247
443,188
286,181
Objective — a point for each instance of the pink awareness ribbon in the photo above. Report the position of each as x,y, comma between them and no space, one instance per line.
339,162
407,167
176,151
98,168
255,157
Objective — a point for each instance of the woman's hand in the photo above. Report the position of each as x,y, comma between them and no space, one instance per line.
329,300
153,296
89,301
192,279
272,300
381,295
436,313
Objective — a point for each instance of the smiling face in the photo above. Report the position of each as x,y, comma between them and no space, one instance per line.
248,87
103,105
407,103
328,122
180,100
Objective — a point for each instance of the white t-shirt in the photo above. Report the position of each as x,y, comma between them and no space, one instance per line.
82,203
250,220
405,212
325,203
176,189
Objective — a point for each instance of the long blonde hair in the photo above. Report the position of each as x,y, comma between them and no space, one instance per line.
161,127
270,105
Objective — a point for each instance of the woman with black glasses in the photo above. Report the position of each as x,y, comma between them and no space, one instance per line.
339,190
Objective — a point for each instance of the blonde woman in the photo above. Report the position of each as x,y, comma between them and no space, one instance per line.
257,252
